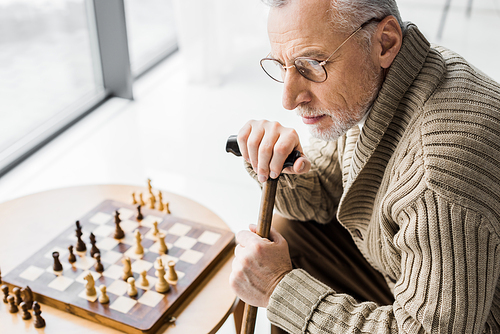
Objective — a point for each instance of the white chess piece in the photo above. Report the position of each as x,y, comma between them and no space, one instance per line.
143,280
90,286
103,298
161,285
162,246
131,290
172,275
138,246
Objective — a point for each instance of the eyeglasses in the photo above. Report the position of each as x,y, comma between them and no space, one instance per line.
309,68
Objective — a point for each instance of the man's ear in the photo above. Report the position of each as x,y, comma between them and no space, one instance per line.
388,39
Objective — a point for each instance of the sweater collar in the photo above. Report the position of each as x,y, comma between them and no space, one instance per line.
403,71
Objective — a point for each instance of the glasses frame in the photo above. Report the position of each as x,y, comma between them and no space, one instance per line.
322,63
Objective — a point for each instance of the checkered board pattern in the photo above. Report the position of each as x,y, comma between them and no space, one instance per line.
195,248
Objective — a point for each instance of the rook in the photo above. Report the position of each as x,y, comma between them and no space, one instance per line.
172,275
162,246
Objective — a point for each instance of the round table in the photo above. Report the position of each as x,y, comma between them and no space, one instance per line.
28,223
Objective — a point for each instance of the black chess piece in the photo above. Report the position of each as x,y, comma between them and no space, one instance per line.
26,312
57,264
12,303
39,321
5,290
71,256
17,295
28,297
139,216
94,250
98,266
119,234
80,245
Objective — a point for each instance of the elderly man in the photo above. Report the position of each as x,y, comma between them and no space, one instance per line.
390,220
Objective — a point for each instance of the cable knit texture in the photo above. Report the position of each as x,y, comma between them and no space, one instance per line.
421,186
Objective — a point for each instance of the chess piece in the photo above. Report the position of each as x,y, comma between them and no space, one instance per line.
80,245
71,256
17,295
131,290
94,248
39,321
155,229
162,246
134,201
161,285
103,298
12,304
167,209
172,275
28,296
127,269
98,265
139,216
0,276
160,201
143,279
26,312
57,267
90,286
152,201
5,290
138,247
150,188
141,200
119,234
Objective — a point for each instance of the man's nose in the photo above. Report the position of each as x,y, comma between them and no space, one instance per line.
295,89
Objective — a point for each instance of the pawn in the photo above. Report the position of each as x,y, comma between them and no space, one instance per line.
139,216
167,209
17,295
141,200
143,279
39,321
12,302
152,201
26,312
5,290
172,275
103,298
71,256
134,201
98,265
131,290
57,267
162,246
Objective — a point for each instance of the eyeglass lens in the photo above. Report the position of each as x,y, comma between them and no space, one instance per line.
308,68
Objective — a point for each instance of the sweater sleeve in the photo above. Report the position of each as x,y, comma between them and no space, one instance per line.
316,194
449,272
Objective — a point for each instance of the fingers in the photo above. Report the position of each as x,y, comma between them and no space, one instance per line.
266,145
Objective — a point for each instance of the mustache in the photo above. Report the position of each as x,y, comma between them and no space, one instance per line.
305,111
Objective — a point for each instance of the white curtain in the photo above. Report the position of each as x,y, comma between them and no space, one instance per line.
213,34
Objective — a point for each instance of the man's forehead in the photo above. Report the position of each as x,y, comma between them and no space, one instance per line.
301,23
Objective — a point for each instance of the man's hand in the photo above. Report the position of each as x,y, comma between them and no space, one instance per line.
266,145
259,265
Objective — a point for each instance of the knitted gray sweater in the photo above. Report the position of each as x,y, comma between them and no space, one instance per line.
421,185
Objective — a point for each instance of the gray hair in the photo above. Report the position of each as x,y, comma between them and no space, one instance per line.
348,15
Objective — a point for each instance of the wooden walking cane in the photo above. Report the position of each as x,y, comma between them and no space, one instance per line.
264,222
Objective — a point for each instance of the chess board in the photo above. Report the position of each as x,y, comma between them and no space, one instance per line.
196,248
